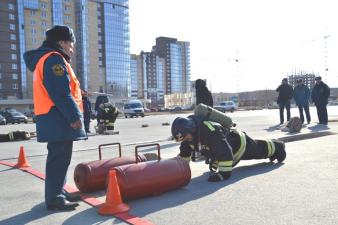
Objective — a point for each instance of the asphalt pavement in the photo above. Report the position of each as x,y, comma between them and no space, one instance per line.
302,190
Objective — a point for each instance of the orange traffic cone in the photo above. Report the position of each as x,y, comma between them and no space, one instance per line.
114,202
22,162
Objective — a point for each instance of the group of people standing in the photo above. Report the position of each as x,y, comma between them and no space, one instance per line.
302,94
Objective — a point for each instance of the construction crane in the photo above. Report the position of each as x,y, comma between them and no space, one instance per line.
326,67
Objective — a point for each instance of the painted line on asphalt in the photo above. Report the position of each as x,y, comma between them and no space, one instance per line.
126,217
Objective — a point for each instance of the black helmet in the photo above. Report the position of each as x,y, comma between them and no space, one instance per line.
181,127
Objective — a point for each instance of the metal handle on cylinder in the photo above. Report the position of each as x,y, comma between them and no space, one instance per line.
148,145
110,144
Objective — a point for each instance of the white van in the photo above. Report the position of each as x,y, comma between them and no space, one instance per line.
133,108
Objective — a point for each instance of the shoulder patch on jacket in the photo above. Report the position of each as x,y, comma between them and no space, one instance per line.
58,70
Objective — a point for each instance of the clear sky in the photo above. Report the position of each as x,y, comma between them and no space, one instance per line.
270,38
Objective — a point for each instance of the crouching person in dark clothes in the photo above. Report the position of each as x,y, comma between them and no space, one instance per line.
15,136
224,148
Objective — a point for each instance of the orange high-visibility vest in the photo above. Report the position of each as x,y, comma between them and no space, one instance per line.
42,102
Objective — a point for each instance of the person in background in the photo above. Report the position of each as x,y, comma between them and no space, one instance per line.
59,111
284,97
203,95
301,94
100,99
320,96
87,110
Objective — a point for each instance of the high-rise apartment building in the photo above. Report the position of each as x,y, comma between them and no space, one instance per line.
104,26
10,67
153,70
177,63
164,70
101,27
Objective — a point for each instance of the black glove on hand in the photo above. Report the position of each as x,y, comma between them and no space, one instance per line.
215,177
185,149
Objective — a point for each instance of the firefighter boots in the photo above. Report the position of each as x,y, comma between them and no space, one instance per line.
280,153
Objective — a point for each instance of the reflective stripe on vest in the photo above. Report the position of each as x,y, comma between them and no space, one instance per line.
42,102
271,148
238,155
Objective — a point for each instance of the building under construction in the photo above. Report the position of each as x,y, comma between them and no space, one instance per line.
308,79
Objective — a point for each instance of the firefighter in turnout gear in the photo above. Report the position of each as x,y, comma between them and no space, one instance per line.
223,148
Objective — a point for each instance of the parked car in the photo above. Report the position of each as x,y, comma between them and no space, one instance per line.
133,108
2,120
226,106
176,109
15,117
10,109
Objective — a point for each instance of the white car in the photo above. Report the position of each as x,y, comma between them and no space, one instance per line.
225,106
133,108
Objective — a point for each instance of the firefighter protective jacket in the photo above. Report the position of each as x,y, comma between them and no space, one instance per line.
225,149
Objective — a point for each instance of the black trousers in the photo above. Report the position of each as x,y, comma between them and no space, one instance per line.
283,105
307,113
322,113
255,149
86,123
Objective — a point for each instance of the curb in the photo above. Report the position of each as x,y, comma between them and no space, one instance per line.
301,137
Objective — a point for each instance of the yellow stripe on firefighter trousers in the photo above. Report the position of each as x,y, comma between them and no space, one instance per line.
238,155
271,148
188,158
224,166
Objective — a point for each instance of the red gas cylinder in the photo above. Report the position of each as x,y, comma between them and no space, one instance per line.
91,176
153,177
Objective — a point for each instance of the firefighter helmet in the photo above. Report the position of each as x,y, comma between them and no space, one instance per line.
181,127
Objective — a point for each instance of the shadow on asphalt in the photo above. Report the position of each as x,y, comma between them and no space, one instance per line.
198,188
318,127
88,216
37,212
314,128
4,170
273,128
